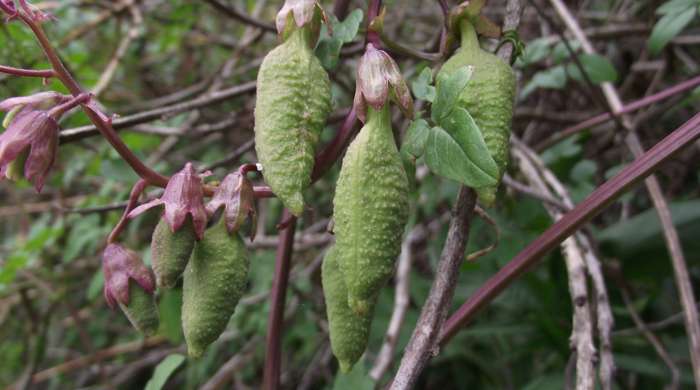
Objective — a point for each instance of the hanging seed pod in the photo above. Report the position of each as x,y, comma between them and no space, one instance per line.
129,283
183,222
171,251
141,311
490,94
349,332
213,282
292,104
371,200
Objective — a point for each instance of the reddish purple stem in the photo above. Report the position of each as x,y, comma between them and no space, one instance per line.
634,106
572,221
136,191
43,73
271,378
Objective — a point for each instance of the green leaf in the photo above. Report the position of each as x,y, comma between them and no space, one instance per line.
163,371
328,49
448,90
675,6
347,30
552,78
415,139
461,126
356,379
535,51
597,67
422,86
446,157
668,27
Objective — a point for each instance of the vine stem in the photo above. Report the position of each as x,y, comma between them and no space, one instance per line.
570,222
43,73
136,191
60,71
273,351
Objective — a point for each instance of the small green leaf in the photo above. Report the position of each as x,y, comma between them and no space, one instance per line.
328,49
597,67
446,156
670,25
448,90
169,310
163,371
552,78
422,86
347,30
415,139
535,51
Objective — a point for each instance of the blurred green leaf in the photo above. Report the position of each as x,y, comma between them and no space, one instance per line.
670,25
328,48
597,67
163,371
357,379
552,78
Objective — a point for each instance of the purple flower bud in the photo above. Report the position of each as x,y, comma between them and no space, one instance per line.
119,265
183,195
30,143
235,194
378,80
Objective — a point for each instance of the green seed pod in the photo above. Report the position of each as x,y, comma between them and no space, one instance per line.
171,251
370,210
213,282
349,332
292,104
488,97
141,310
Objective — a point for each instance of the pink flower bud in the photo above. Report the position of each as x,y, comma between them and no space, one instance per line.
378,81
8,7
119,265
297,14
183,195
235,194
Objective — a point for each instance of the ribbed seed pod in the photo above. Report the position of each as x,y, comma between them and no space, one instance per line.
141,311
488,97
171,251
213,282
292,104
370,210
349,332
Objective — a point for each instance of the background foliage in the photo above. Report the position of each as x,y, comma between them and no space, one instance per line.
56,326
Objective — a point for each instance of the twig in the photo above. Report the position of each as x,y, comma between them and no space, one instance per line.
653,340
423,343
570,222
78,133
627,108
525,189
241,16
219,379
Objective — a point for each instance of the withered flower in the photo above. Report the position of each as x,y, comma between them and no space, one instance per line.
120,265
235,194
183,195
378,81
